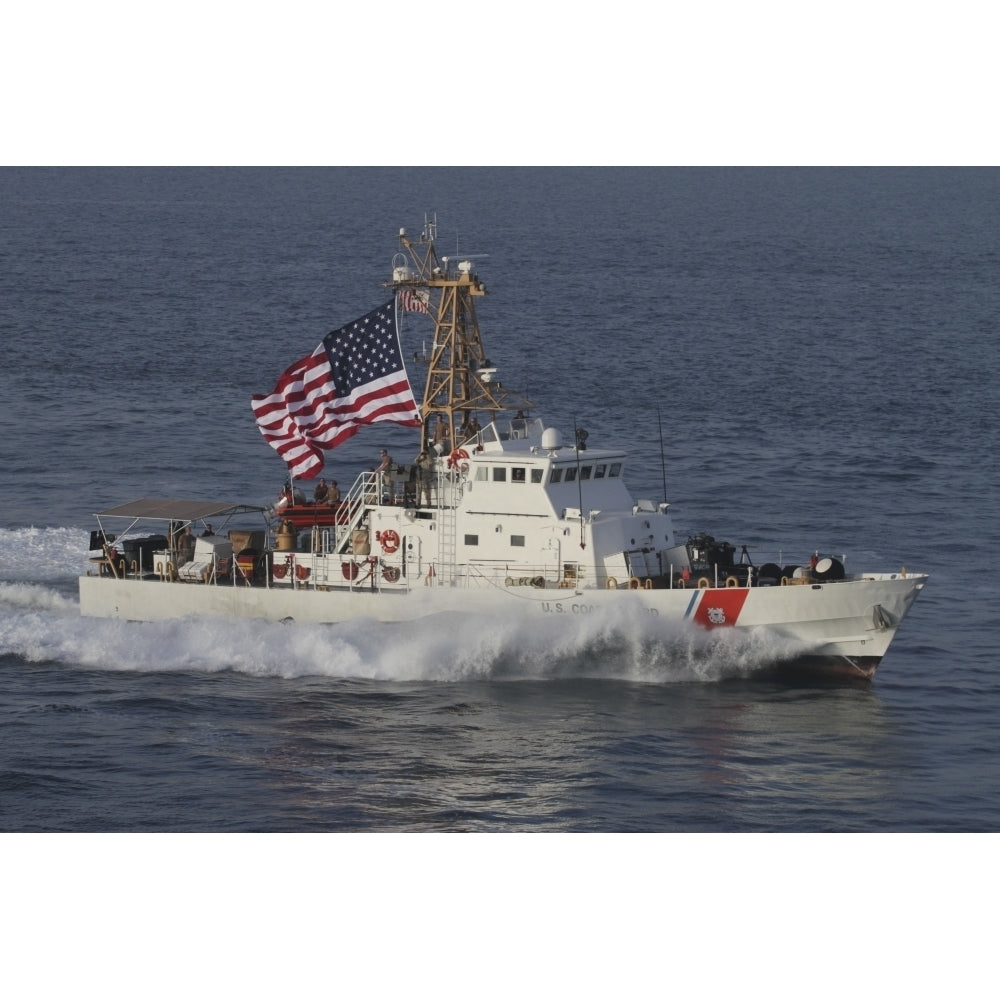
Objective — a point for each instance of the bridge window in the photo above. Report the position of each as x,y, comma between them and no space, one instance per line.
536,475
599,471
482,473
472,539
571,474
556,476
499,473
517,475
517,540
616,470
585,471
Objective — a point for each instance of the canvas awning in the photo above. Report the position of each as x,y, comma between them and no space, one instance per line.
178,510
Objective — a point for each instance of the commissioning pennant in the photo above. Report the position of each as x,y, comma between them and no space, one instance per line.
354,377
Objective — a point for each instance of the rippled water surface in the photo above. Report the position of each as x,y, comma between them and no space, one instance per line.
819,346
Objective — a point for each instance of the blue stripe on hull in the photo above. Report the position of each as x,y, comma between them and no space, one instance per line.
692,603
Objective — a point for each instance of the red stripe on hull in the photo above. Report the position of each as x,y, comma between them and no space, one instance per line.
719,608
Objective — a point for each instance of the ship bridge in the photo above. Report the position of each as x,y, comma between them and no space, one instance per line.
519,466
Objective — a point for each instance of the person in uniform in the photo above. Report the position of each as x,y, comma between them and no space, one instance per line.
425,470
383,471
442,435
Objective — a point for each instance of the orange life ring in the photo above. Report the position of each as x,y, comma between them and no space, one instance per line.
302,572
390,574
280,571
389,540
457,456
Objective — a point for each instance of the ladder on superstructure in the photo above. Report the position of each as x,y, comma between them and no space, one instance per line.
447,523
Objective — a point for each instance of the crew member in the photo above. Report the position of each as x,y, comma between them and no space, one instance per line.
383,471
425,467
442,435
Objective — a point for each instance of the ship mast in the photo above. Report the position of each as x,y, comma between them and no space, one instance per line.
460,380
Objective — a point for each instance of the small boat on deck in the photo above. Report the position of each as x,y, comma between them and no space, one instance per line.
501,511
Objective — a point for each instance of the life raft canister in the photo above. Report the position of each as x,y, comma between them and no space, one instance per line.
285,537
389,540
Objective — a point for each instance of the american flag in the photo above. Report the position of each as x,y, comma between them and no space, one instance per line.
411,301
354,377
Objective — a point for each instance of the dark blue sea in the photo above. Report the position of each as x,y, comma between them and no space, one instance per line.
819,347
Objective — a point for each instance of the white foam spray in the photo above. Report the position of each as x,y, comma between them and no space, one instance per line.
40,621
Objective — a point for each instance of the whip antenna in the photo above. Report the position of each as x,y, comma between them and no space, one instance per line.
579,481
663,463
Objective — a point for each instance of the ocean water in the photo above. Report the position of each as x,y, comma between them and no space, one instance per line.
818,346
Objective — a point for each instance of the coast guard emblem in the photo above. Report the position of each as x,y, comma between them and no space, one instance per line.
715,608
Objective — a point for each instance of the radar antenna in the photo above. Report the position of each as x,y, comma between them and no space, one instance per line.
460,377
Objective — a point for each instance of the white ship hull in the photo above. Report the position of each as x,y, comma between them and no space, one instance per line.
844,627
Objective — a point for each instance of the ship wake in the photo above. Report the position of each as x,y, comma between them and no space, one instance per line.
40,624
